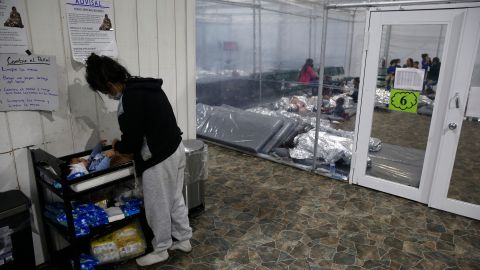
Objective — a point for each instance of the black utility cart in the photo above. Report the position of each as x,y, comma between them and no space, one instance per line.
49,169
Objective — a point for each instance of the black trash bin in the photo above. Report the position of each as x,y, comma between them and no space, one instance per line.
16,244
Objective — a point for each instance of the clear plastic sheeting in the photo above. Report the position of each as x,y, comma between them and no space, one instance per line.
203,112
398,164
306,119
244,130
330,148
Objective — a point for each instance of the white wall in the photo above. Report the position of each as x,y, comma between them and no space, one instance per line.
155,38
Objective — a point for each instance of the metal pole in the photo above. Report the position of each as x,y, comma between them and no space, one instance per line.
320,84
260,49
254,39
439,40
388,34
396,3
349,61
310,36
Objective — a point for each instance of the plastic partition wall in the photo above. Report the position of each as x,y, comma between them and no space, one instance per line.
249,56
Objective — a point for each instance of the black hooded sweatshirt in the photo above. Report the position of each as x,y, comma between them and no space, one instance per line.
147,113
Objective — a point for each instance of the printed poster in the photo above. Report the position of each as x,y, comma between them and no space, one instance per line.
409,78
28,82
13,32
91,28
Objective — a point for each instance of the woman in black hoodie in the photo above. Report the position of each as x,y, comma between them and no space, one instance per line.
149,132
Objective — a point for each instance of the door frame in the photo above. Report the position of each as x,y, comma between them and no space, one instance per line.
450,138
454,19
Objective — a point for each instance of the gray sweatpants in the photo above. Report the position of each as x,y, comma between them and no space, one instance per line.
165,207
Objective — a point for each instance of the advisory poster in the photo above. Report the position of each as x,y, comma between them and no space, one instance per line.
91,28
13,32
28,82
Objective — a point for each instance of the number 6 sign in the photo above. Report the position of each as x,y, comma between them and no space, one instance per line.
403,100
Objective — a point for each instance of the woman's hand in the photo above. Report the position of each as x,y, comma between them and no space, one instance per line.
109,153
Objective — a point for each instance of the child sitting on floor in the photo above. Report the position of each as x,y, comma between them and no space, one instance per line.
339,109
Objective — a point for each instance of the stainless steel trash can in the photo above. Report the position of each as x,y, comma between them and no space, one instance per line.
196,173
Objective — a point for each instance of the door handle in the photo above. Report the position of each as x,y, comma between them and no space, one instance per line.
452,126
457,100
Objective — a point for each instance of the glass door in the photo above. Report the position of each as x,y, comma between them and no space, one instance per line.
457,190
409,65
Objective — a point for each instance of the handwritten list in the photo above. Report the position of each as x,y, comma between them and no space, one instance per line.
28,83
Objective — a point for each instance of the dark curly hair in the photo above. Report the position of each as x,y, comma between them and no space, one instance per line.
102,70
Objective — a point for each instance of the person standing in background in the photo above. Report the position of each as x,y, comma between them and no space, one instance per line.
408,63
426,62
308,76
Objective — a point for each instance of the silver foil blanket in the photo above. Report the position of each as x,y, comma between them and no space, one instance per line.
330,147
374,144
382,96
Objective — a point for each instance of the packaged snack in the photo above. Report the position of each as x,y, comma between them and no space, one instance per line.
122,244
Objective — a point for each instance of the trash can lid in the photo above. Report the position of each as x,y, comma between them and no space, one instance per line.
193,145
13,202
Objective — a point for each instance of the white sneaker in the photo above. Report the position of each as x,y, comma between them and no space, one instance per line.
153,258
184,246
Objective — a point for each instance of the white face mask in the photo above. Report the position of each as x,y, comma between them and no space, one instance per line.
115,97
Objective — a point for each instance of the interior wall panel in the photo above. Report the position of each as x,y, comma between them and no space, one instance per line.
8,173
181,65
5,143
147,38
47,39
154,39
167,49
25,128
81,99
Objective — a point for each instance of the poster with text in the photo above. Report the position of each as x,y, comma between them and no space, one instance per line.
91,28
28,83
13,32
409,78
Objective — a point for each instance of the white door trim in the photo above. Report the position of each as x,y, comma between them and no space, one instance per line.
454,20
449,140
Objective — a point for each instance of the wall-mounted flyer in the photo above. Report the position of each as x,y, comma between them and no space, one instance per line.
409,78
13,32
91,28
28,83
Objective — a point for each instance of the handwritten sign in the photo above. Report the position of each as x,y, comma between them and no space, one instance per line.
28,83
403,100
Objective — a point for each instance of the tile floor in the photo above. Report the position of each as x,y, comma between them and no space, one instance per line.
262,215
